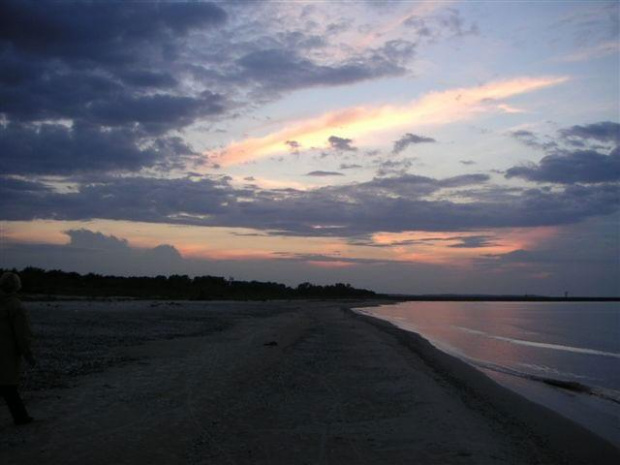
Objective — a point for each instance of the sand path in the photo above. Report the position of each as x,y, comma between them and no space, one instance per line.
336,389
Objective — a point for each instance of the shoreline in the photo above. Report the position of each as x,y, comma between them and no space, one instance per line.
589,405
567,437
284,383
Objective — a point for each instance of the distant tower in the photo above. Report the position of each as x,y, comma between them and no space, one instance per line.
566,294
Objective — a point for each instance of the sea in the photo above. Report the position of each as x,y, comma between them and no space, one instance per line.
563,355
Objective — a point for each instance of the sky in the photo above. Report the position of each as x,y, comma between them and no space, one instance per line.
399,146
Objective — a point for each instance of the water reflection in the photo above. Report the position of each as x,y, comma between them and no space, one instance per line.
563,355
568,340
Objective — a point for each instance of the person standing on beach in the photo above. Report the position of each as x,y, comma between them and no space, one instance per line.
15,343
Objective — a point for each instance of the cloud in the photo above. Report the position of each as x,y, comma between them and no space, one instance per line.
99,62
60,150
293,145
92,251
156,113
455,23
349,166
324,173
464,180
96,241
590,27
474,242
340,143
530,139
86,96
605,131
328,261
134,198
391,204
594,52
426,21
283,69
266,57
97,86
581,166
394,167
588,163
98,31
358,123
409,139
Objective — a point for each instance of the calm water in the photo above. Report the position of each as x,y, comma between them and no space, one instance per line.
527,345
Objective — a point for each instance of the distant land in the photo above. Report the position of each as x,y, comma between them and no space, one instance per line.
498,298
40,284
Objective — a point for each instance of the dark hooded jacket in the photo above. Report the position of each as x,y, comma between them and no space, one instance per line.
15,337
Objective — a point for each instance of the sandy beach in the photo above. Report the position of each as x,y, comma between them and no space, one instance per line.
290,382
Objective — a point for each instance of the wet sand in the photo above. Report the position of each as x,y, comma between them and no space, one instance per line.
275,383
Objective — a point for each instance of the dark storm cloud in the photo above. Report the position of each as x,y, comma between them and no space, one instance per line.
584,161
15,186
148,79
129,198
340,143
99,31
283,69
605,131
61,56
409,139
61,150
262,64
397,205
156,113
91,97
581,166
108,68
383,204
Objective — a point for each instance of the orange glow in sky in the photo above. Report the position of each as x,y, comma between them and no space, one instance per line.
364,122
245,244
438,248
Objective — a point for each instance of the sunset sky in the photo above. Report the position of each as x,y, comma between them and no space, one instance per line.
408,147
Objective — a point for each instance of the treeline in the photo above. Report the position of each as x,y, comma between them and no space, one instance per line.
49,283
